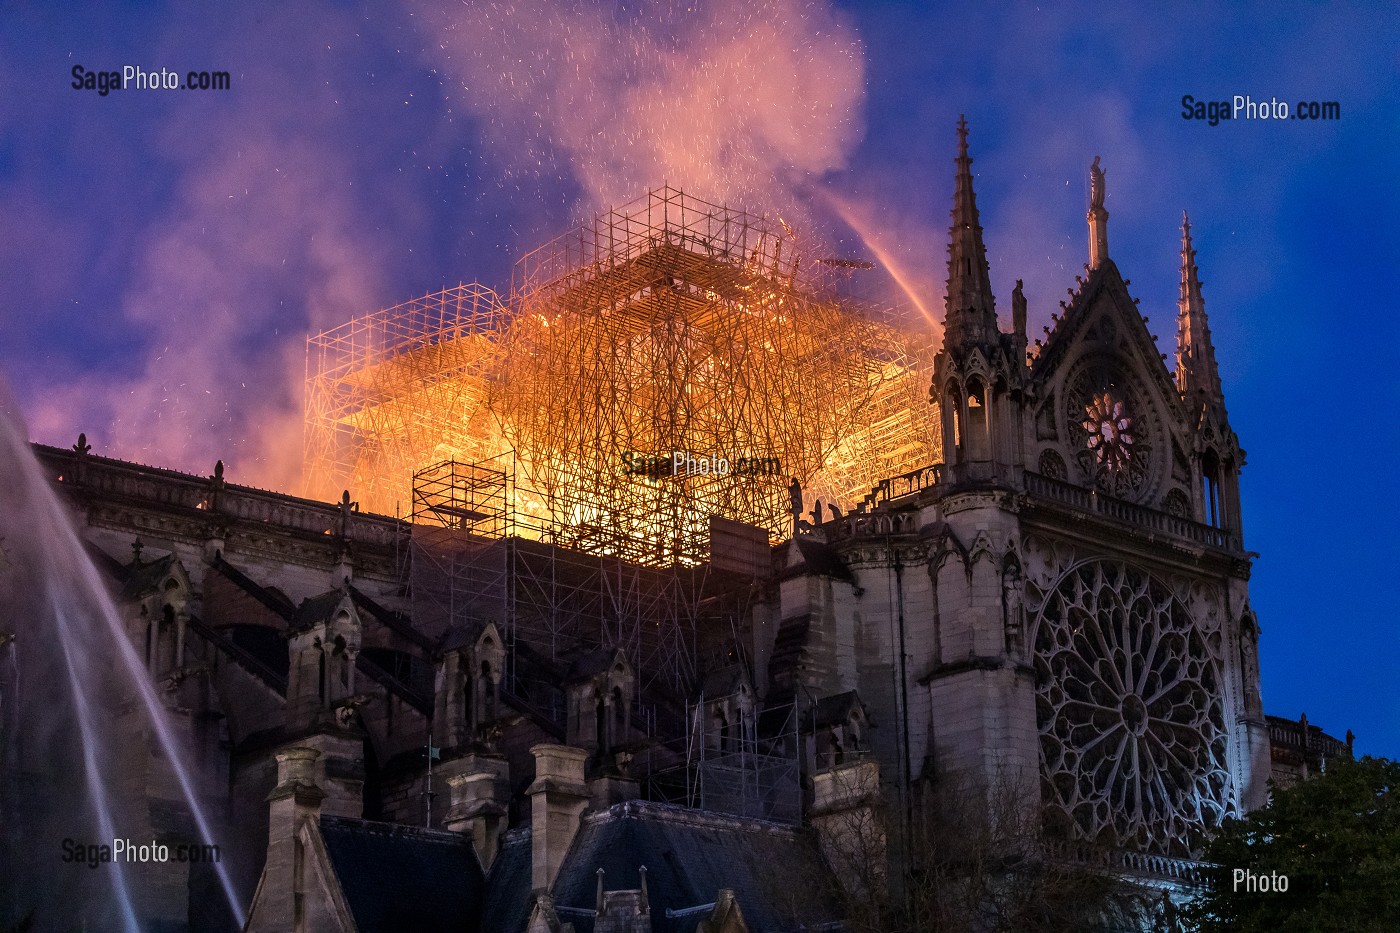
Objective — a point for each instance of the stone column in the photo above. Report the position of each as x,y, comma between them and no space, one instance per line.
847,815
558,798
480,797
296,800
181,621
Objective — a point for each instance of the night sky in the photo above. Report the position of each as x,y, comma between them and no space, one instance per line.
164,254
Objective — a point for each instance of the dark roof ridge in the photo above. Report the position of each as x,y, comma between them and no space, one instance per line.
688,816
383,828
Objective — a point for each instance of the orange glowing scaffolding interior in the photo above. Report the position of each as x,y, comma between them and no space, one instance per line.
670,324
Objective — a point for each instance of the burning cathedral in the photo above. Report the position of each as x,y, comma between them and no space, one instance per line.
494,680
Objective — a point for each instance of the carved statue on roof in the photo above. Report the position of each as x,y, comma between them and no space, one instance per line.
1095,185
1018,310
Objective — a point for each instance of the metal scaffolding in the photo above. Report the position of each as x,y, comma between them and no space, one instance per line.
668,325
475,560
392,392
751,769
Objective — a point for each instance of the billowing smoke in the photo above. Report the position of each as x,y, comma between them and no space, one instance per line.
731,100
261,248
364,158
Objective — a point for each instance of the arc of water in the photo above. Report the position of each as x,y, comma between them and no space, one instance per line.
92,596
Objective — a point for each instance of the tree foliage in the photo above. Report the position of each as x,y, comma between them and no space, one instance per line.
975,861
1336,838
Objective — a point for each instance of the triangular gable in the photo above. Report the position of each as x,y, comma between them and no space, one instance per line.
1105,292
327,908
323,903
726,916
1102,323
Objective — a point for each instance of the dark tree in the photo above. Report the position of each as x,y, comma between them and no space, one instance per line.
1335,838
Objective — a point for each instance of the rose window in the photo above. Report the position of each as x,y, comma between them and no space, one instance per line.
1128,703
1110,431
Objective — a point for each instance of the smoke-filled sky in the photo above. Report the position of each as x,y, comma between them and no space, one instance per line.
163,255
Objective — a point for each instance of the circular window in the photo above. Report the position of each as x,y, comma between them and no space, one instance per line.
1111,429
1132,729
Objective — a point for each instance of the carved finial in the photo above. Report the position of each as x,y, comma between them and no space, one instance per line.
646,899
598,899
82,447
136,547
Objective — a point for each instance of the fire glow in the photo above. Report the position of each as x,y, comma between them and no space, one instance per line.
672,324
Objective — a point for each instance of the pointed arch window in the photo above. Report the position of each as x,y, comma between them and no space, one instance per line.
978,421
1212,504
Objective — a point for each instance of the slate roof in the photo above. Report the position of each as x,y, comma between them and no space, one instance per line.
508,903
106,562
146,578
775,871
818,558
834,710
316,609
397,622
587,663
399,878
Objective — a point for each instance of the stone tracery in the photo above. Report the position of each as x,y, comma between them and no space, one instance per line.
1133,740
1100,398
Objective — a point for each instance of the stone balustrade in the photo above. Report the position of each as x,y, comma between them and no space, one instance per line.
119,480
1090,500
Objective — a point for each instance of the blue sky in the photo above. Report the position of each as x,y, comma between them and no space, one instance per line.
165,254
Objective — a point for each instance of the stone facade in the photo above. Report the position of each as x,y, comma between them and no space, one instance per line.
1062,604
1058,613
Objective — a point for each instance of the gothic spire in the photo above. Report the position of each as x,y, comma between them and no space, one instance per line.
970,308
1196,372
